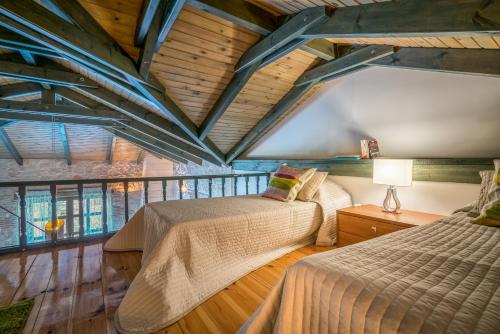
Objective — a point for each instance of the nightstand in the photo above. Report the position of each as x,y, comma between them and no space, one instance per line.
360,223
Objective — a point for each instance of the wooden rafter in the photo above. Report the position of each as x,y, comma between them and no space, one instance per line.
172,10
258,20
148,11
142,128
465,61
350,61
292,97
36,74
285,34
10,147
19,89
60,110
11,41
410,18
15,116
35,22
147,146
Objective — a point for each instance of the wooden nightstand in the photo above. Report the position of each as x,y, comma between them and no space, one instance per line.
360,223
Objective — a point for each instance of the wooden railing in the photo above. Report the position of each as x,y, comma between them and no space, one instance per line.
53,238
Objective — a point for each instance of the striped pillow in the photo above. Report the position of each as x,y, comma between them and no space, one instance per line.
490,213
311,187
286,183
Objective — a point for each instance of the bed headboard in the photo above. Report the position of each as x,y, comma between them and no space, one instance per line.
437,170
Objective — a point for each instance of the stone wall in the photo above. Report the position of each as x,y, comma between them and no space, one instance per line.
40,169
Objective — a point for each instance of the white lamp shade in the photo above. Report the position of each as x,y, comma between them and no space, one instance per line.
393,172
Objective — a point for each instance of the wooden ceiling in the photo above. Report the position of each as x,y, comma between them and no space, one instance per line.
196,63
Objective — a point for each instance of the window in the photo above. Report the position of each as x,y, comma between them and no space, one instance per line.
39,213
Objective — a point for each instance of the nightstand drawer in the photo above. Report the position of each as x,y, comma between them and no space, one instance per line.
365,228
344,239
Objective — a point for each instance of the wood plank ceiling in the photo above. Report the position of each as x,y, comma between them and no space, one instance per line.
197,61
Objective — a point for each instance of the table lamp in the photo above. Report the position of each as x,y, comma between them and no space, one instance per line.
393,173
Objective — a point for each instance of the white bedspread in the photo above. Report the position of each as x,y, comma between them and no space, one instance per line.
438,278
195,248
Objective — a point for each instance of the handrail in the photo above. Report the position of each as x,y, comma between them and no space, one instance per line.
129,179
53,237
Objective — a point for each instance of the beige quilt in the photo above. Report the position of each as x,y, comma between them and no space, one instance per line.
194,248
439,278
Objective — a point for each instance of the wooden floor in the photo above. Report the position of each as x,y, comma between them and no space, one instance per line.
78,288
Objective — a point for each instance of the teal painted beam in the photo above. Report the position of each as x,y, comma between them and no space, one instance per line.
4,138
435,170
292,97
411,18
171,11
348,62
286,33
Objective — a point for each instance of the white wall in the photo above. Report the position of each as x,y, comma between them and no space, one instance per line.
158,167
411,113
434,197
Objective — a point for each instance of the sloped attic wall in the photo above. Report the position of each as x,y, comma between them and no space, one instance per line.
411,113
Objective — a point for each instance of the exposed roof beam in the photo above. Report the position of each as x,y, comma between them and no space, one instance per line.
10,147
15,116
82,48
172,10
136,125
28,57
351,60
283,51
409,18
39,19
37,74
111,149
286,33
148,11
65,143
19,89
60,110
231,91
47,97
258,20
54,8
11,41
345,73
4,123
160,144
292,97
465,61
147,146
79,15
149,47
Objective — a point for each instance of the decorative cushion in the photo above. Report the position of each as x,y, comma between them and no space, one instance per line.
311,187
487,177
490,213
286,183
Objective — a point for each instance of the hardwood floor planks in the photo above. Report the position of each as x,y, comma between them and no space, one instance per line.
78,288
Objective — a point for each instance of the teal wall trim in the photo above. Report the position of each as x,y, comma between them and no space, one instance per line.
436,170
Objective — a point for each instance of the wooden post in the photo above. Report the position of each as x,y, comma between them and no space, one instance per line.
22,205
164,189
235,185
195,188
257,179
210,188
146,189
223,181
80,211
53,201
246,184
104,208
180,188
125,194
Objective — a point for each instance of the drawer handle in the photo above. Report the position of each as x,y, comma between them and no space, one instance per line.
374,229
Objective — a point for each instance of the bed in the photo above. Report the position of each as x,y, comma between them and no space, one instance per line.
437,278
194,248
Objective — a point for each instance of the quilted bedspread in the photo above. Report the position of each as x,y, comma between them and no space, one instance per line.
439,278
194,248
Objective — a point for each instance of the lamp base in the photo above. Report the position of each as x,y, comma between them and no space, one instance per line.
392,195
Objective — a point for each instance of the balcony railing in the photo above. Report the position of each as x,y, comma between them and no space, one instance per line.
37,214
